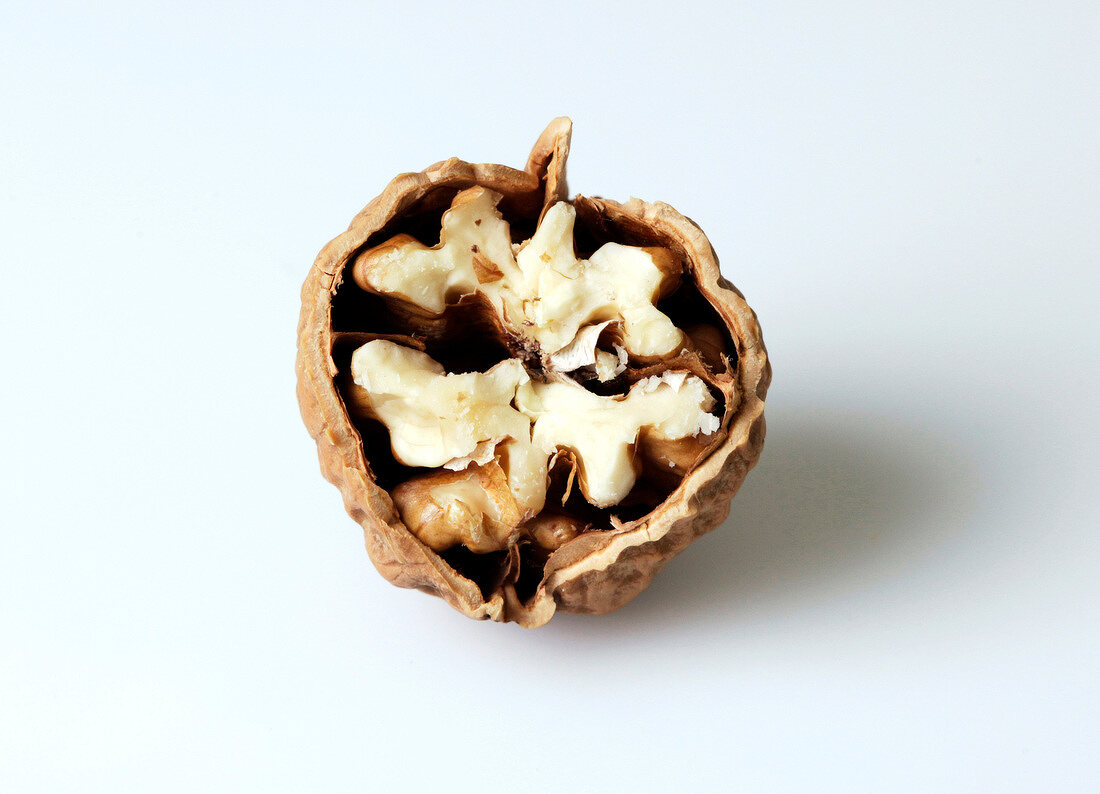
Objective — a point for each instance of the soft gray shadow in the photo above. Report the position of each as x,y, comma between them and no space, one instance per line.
839,500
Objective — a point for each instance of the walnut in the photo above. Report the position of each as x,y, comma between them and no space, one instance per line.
529,403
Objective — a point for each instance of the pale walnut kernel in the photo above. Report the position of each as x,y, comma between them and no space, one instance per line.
541,291
467,421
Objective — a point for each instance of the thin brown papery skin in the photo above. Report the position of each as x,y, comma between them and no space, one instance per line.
596,572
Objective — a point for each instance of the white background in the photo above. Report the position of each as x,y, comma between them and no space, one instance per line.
905,595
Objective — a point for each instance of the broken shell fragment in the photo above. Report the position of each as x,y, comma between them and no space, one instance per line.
476,344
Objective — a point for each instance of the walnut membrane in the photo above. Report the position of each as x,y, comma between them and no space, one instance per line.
529,403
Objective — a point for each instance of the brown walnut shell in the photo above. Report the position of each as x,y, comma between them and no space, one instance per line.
598,570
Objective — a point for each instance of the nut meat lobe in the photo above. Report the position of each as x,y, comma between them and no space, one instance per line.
526,344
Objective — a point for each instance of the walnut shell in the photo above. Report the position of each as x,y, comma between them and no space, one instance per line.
595,571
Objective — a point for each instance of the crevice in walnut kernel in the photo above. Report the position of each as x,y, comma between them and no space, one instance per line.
693,313
532,561
486,570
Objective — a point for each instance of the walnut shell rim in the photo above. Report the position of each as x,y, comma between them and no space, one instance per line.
597,572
